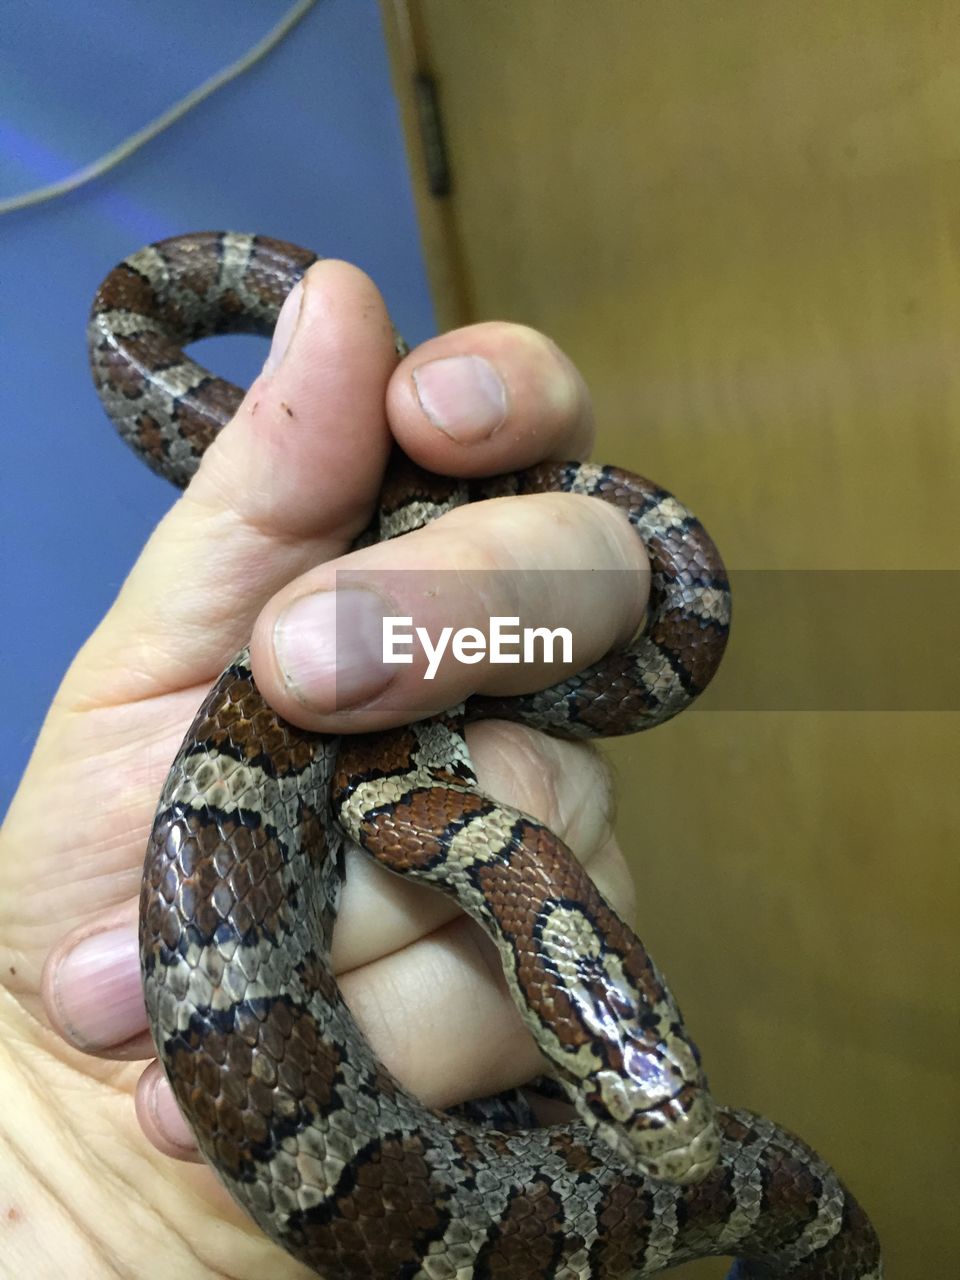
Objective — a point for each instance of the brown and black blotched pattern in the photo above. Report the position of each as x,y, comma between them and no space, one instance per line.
323,1147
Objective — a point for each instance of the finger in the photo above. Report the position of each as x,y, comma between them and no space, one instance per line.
160,1117
318,646
487,399
278,490
91,986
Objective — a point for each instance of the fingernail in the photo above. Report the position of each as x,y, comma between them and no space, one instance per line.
463,396
284,328
330,648
98,992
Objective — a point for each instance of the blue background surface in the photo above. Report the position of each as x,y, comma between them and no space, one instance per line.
306,146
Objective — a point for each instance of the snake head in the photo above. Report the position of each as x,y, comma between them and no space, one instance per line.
620,1047
655,1110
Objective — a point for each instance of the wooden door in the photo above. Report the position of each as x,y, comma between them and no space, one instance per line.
743,222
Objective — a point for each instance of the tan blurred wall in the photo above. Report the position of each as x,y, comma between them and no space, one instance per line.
743,222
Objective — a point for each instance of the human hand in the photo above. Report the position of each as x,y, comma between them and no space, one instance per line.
286,489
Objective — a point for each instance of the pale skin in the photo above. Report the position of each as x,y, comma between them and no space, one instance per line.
98,1174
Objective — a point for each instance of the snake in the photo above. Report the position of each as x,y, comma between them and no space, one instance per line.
332,1157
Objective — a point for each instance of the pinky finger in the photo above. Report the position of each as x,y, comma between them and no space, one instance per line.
160,1117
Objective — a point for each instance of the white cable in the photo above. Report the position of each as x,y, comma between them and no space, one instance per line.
179,109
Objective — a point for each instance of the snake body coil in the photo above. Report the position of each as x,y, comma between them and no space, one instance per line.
328,1153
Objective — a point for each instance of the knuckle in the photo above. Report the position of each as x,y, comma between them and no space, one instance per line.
565,785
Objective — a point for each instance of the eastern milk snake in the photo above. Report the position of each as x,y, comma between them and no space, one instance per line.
329,1154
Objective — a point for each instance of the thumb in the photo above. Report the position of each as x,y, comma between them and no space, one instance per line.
288,483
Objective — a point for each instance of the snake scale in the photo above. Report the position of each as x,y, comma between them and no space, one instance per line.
331,1156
